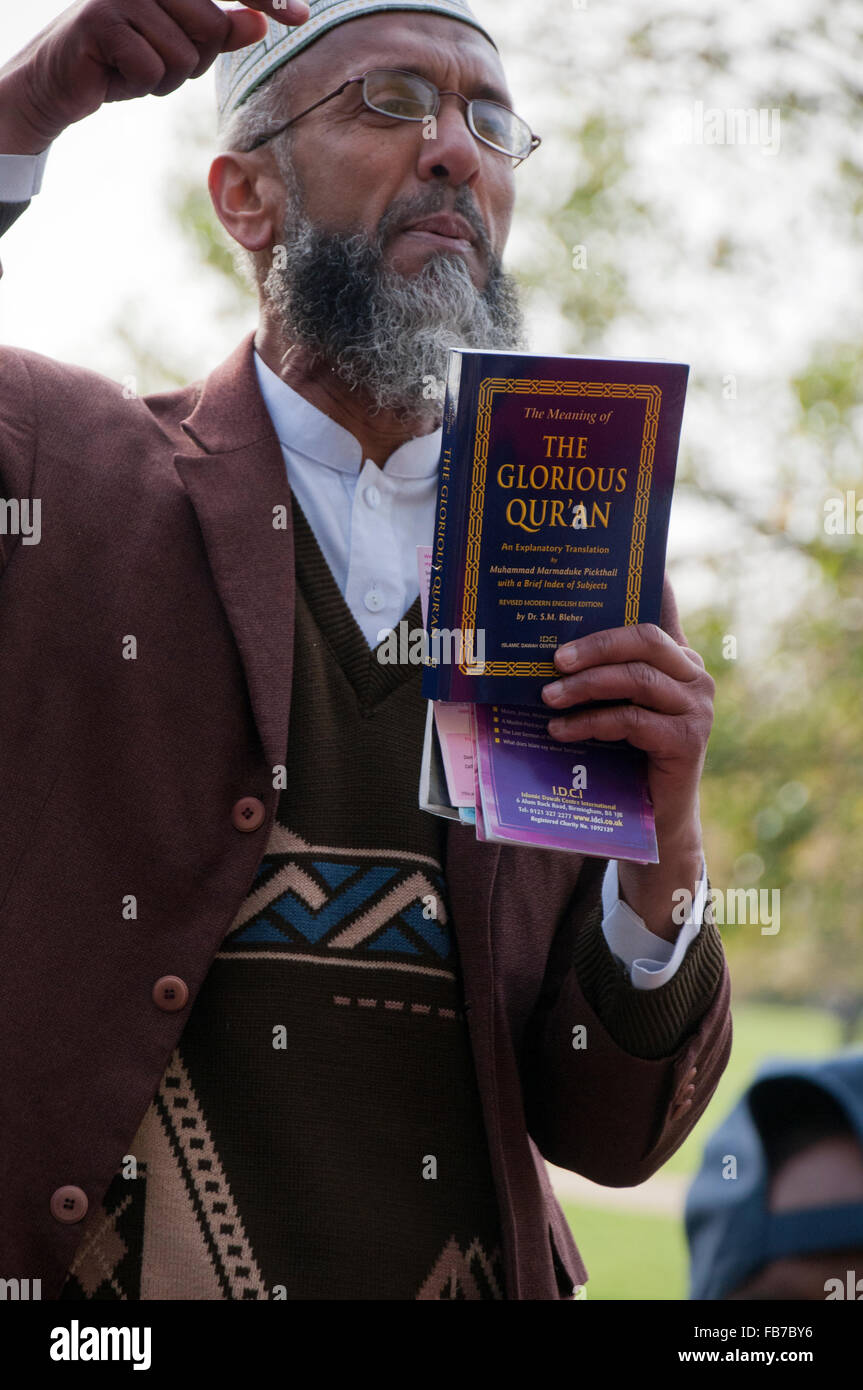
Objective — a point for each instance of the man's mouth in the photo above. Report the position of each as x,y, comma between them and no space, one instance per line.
444,231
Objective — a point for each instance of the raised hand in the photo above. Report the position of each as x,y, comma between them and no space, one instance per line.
99,51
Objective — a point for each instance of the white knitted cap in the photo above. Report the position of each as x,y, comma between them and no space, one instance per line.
238,74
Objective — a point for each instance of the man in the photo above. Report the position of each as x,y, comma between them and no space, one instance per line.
272,1031
776,1211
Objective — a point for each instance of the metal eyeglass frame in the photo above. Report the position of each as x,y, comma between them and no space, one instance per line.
536,140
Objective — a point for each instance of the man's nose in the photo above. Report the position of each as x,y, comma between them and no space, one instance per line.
449,149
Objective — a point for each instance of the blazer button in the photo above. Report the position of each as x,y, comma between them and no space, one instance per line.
170,994
249,814
69,1204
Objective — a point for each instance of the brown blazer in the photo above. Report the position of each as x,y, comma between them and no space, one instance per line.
119,777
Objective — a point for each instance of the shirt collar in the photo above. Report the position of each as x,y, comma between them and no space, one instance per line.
304,429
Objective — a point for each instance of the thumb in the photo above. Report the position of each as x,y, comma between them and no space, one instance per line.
249,26
669,618
246,28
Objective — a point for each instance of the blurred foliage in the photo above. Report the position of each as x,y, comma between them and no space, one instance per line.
783,786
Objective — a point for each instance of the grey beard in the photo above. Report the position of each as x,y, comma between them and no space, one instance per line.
385,335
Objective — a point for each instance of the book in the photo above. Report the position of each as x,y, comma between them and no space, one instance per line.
579,798
434,792
583,798
453,741
499,770
552,515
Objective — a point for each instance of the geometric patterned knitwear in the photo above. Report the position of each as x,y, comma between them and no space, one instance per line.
317,1133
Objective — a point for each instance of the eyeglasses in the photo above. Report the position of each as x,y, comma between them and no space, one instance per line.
408,97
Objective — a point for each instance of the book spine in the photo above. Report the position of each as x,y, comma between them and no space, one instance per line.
451,503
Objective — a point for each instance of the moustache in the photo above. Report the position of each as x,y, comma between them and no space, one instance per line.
404,211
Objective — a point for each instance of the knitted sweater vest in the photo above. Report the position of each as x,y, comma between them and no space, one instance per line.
317,1133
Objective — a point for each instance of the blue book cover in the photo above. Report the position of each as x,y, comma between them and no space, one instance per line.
554,496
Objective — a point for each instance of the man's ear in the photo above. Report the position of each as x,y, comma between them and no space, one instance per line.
246,194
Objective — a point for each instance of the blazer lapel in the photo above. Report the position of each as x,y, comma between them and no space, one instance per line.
234,482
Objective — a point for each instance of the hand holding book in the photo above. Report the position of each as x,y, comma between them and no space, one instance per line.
553,503
666,710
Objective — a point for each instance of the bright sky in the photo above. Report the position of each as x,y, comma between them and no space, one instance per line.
98,236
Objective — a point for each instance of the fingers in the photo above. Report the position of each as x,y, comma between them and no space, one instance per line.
636,680
642,728
661,735
206,26
135,66
170,44
216,31
247,27
186,37
643,643
668,693
288,11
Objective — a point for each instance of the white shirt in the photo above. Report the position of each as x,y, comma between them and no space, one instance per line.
21,176
370,546
368,522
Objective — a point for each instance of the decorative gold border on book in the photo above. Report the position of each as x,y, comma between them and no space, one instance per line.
652,397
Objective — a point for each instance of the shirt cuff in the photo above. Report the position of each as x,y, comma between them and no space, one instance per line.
21,176
650,959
